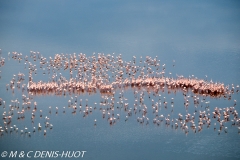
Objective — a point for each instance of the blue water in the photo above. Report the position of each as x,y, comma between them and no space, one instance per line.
202,37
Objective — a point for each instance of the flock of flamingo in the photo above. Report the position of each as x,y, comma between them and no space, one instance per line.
110,76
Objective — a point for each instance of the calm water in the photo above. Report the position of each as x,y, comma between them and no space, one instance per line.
203,39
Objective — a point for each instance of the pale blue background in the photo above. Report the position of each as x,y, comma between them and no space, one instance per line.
180,30
203,37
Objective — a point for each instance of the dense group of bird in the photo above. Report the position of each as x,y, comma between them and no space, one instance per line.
110,77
